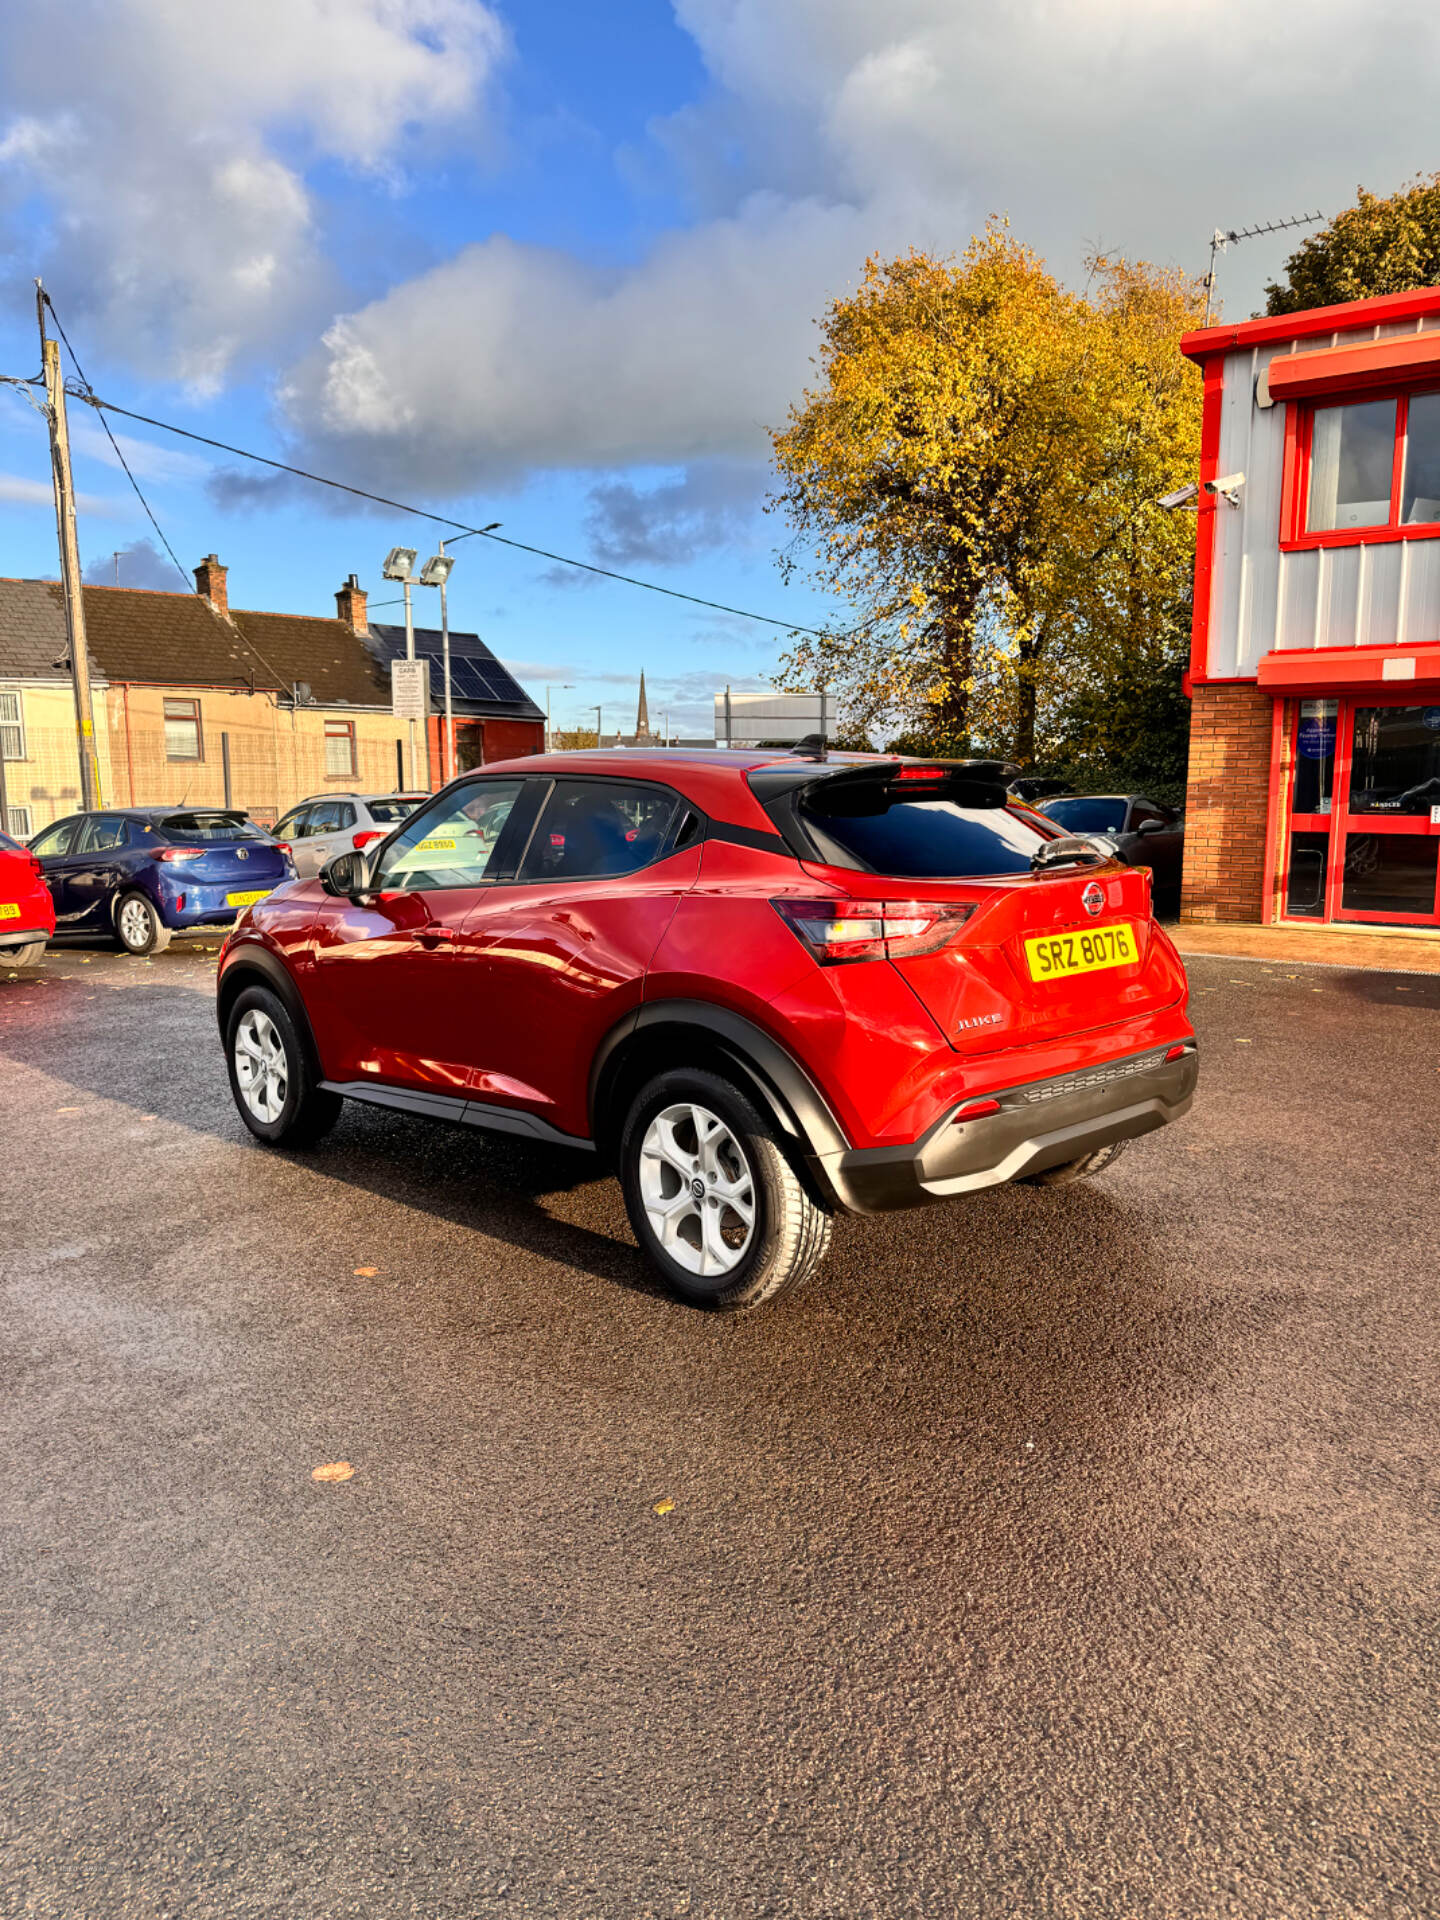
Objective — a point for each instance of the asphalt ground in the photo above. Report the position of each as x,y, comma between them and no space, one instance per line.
1054,1553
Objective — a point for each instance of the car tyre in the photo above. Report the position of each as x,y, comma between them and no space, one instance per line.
138,927
28,956
275,1089
1096,1161
717,1206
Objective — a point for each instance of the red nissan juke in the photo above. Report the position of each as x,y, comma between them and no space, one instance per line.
763,987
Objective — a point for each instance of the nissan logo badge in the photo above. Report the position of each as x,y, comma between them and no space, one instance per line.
1093,898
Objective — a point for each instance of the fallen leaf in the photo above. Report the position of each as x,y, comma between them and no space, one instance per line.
365,1273
1244,1043
68,1109
664,1506
333,1470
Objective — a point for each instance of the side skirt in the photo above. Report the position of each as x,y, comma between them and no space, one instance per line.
464,1113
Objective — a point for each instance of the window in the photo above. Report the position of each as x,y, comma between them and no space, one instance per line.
594,828
1364,469
18,822
347,816
12,724
340,749
1395,760
1086,815
460,841
326,817
920,839
389,813
56,840
1313,783
295,825
182,730
102,830
209,829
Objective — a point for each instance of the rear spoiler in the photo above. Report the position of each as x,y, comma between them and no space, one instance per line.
785,789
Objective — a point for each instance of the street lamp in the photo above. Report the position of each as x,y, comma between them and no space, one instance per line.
558,686
435,573
398,563
599,730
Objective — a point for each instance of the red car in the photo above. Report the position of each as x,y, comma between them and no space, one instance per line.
764,987
27,915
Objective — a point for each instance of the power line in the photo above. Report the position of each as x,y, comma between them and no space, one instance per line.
92,399
89,395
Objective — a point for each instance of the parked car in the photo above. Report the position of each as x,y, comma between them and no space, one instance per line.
331,823
1145,833
142,874
762,987
27,918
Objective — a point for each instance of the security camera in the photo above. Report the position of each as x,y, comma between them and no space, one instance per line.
1181,497
1227,487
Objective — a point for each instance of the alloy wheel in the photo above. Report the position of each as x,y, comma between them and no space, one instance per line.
697,1188
135,927
260,1065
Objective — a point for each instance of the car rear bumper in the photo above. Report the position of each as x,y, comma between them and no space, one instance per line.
15,936
1040,1124
210,905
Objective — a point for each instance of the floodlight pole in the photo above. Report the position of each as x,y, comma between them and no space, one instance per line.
554,686
410,655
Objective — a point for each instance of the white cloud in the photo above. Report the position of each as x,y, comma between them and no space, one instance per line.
20,492
837,127
170,142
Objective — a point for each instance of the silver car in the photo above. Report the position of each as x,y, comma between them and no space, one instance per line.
331,823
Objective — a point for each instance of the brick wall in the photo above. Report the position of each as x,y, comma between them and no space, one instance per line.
1227,798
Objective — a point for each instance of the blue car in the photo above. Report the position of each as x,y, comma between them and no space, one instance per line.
141,874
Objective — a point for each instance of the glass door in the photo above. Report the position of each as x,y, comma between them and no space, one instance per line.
1387,824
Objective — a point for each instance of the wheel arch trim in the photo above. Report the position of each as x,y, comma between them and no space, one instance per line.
257,966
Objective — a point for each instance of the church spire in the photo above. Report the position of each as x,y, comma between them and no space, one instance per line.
642,714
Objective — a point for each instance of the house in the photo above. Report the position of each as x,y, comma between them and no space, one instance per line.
201,703
1314,792
495,719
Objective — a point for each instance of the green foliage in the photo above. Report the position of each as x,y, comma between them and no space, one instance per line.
1377,246
1127,731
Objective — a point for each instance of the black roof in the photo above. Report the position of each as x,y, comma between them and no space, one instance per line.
479,684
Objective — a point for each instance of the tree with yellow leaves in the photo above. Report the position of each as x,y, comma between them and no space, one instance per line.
977,473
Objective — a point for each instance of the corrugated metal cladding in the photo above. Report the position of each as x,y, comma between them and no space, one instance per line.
1386,594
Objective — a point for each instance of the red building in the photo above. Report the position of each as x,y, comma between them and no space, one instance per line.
1315,665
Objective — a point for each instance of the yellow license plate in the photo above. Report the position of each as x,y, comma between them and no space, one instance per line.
436,846
9,911
1058,955
247,899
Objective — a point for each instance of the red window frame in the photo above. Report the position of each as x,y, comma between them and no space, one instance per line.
1295,485
340,730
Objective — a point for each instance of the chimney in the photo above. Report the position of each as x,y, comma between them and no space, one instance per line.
350,605
210,581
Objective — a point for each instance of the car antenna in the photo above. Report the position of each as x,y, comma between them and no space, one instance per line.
811,747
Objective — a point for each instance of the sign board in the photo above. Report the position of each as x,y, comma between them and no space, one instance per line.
748,719
410,689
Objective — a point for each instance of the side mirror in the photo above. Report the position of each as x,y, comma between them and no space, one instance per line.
1151,826
346,877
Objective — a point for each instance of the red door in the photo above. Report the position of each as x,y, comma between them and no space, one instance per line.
1385,836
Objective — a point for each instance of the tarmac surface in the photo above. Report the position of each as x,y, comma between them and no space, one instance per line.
1061,1553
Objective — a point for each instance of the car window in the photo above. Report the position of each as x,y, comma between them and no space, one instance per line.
295,825
1141,810
210,828
55,839
325,818
1086,815
454,843
101,830
389,813
919,839
346,815
593,828
7,845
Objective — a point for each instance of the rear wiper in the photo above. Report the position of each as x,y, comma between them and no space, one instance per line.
1068,851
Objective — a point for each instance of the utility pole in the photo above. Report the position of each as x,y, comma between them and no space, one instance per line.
598,729
69,560
448,757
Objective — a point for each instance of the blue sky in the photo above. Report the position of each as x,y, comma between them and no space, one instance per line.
557,264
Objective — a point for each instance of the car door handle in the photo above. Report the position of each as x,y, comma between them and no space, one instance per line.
432,936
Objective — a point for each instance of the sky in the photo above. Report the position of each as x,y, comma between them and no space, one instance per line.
558,264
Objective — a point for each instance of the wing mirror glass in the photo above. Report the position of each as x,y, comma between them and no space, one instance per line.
1151,826
347,876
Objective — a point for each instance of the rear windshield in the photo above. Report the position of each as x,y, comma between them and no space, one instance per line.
7,845
209,829
1086,816
923,839
391,812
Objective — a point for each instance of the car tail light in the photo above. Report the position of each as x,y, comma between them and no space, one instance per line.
171,854
932,775
179,903
283,846
363,839
838,931
1178,1051
974,1110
